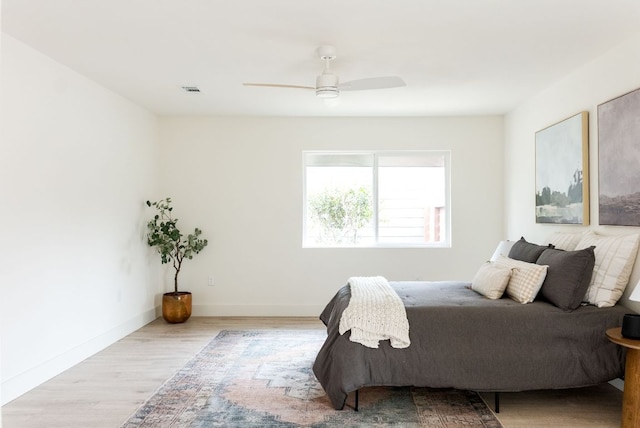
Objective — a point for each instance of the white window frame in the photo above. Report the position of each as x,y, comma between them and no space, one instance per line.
446,243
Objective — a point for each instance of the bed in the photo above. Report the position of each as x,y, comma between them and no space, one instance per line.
462,340
548,334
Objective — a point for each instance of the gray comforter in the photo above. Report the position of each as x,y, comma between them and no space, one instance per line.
462,340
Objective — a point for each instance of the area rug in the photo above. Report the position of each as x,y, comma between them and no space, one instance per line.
263,378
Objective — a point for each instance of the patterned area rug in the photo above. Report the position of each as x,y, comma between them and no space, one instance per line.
263,378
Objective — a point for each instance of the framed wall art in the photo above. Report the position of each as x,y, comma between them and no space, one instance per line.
562,172
619,160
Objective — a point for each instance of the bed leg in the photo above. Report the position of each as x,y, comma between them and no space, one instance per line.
357,396
496,398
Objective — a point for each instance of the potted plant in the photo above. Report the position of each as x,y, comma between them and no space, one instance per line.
164,235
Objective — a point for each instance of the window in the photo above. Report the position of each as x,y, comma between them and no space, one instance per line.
398,198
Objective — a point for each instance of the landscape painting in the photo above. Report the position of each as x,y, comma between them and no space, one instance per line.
562,172
619,160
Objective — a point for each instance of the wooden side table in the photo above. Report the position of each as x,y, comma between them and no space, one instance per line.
631,396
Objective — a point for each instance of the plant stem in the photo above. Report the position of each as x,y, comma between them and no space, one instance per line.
177,263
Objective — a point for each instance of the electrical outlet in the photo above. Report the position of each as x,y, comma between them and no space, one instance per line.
211,283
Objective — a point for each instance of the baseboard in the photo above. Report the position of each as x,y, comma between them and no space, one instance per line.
618,383
16,386
256,310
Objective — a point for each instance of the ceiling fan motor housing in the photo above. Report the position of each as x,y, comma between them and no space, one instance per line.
327,86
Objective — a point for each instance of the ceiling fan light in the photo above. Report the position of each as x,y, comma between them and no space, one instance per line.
327,92
327,85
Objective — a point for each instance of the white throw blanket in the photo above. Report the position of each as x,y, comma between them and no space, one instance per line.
375,312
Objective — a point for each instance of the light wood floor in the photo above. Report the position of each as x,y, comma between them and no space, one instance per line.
104,390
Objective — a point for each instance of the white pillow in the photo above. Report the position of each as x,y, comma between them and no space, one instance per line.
491,280
503,248
615,256
526,279
564,241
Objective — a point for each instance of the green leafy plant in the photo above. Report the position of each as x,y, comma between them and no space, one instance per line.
341,213
163,234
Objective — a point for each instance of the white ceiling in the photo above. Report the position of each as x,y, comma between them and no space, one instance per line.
458,57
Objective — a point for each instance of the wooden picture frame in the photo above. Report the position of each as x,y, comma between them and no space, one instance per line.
562,172
619,160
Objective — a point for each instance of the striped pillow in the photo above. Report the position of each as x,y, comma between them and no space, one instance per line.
564,240
526,279
615,256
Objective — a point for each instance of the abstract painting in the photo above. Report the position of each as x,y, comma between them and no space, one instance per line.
562,172
619,160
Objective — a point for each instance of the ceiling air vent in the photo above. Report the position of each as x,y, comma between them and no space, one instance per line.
191,89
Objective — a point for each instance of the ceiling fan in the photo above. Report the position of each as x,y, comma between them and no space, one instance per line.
327,85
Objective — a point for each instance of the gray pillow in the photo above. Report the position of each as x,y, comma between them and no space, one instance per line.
568,276
526,251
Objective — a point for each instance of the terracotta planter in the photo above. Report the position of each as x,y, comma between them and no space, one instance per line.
176,307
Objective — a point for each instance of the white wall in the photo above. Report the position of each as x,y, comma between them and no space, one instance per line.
613,74
240,180
77,163
1,145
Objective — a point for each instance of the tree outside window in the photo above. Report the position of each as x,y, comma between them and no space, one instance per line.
340,214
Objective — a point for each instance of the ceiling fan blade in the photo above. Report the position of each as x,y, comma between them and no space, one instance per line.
278,85
372,83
